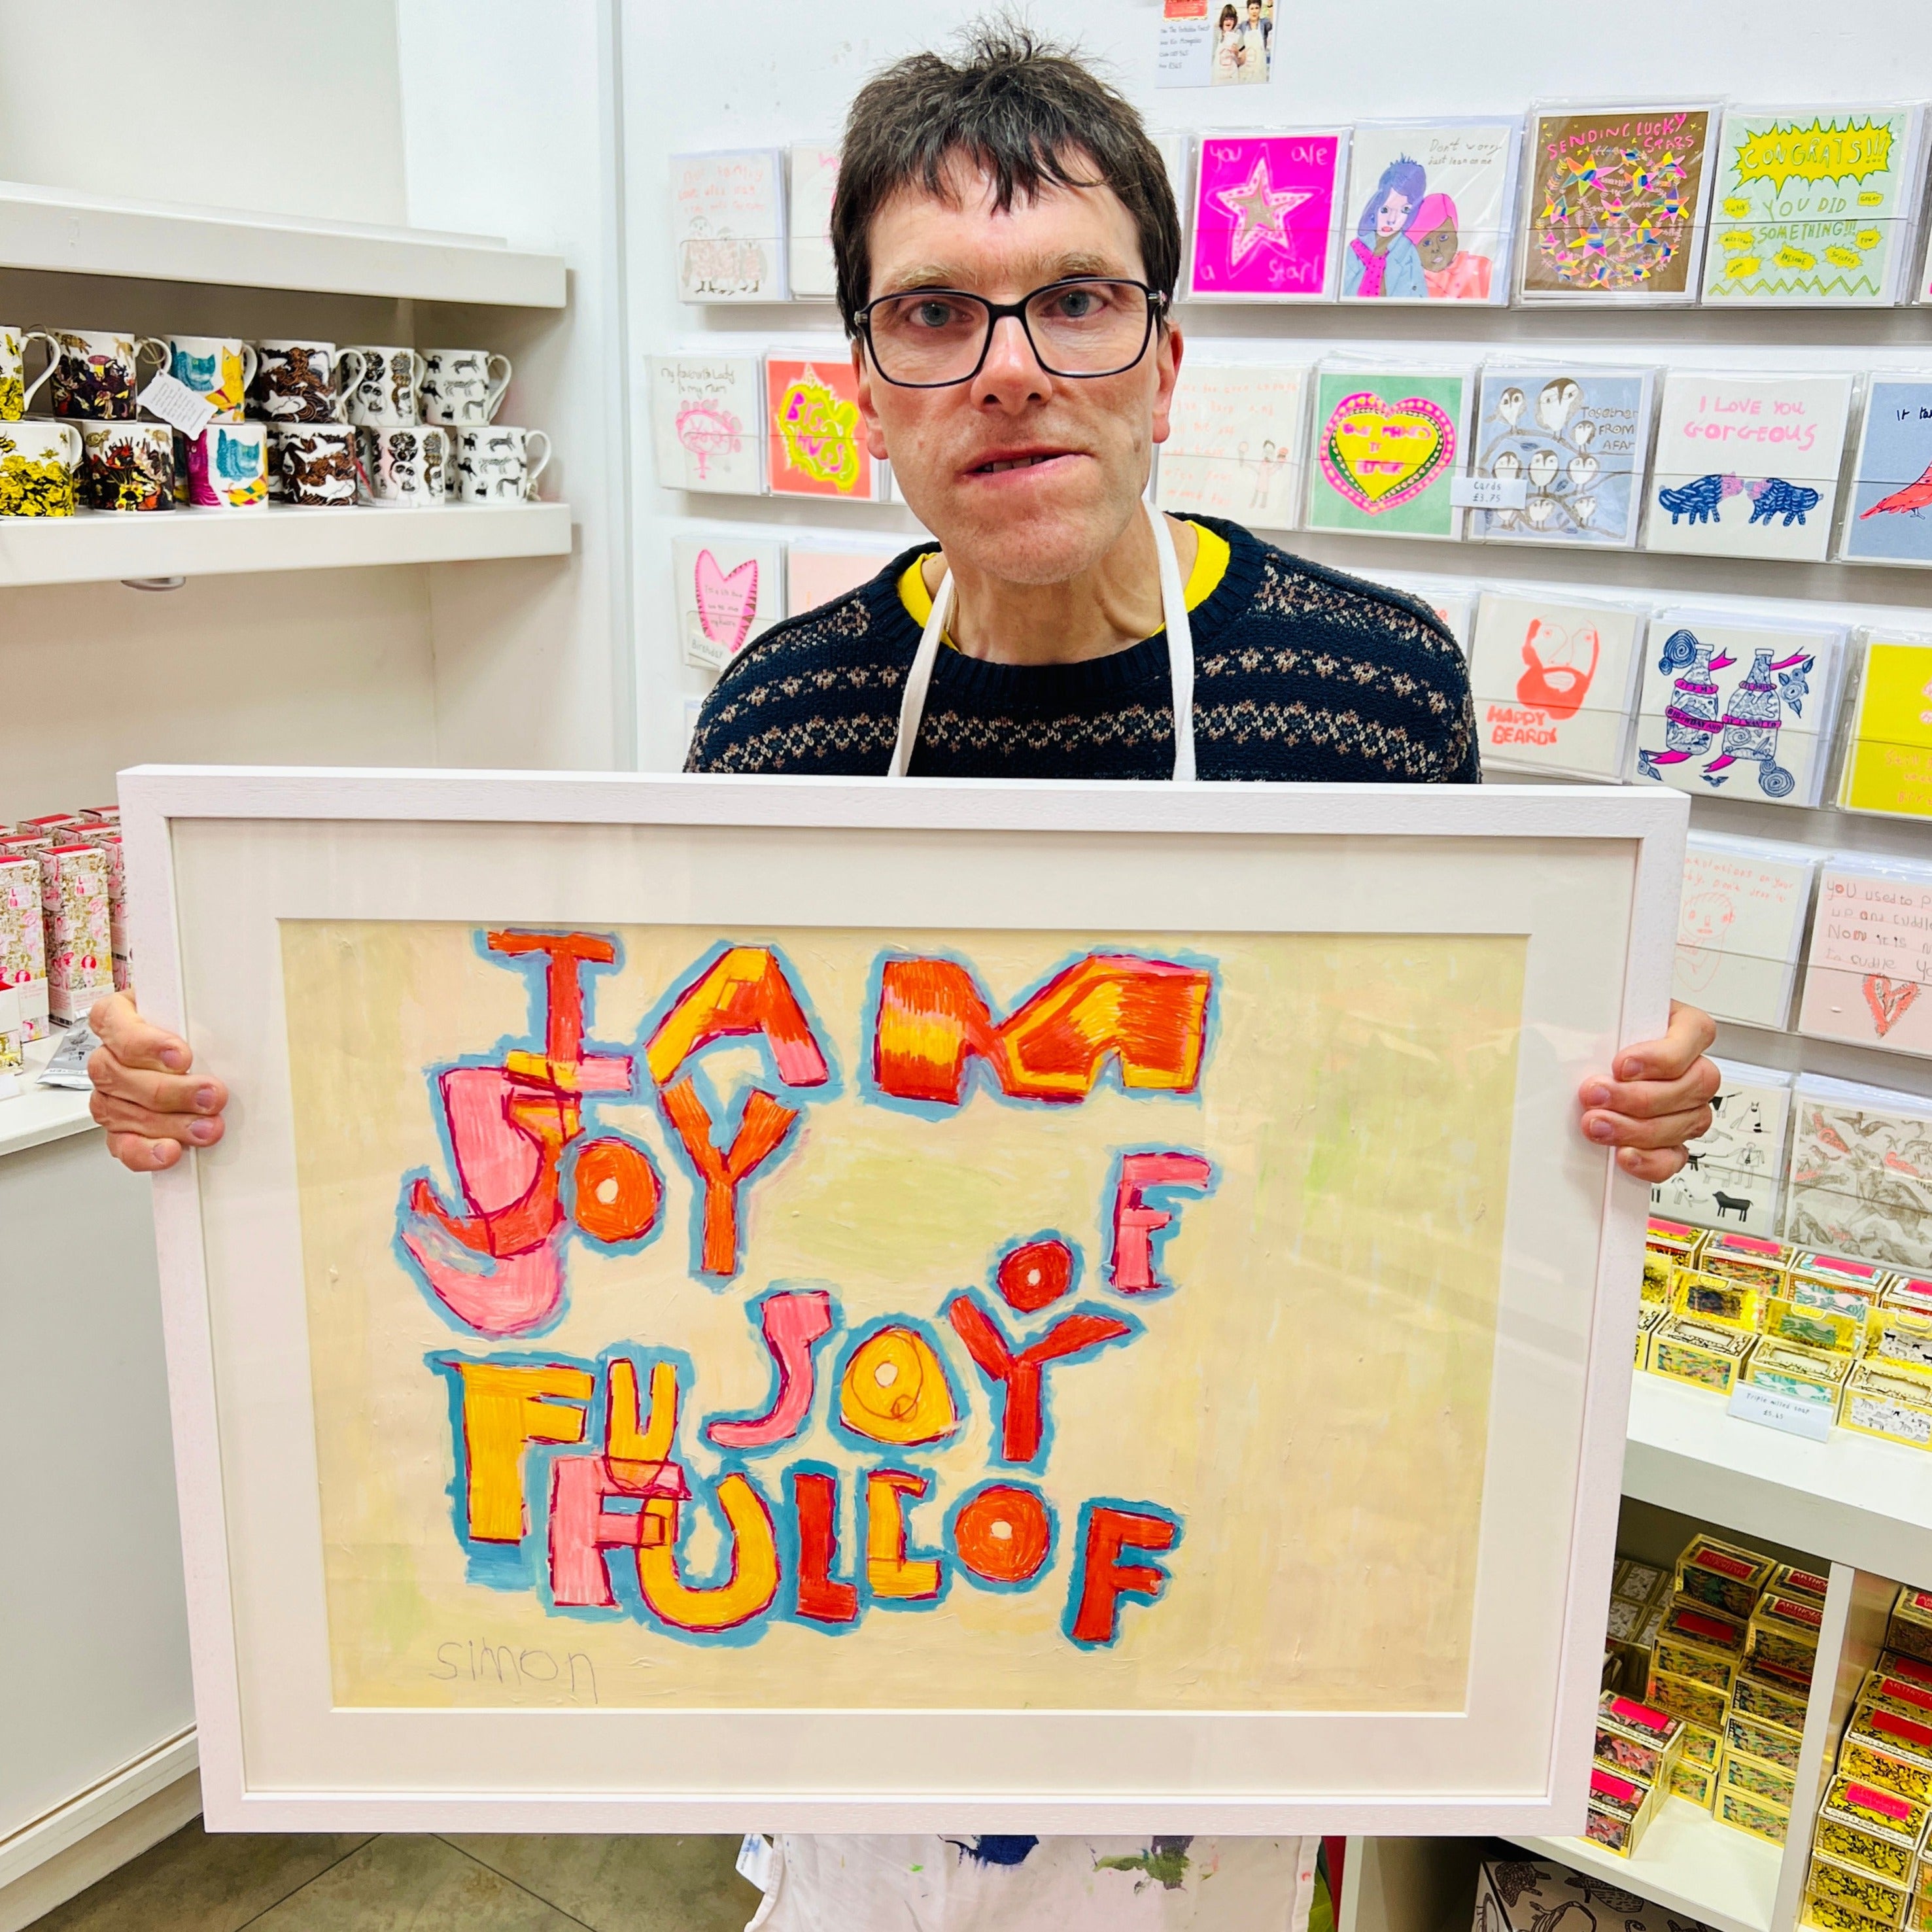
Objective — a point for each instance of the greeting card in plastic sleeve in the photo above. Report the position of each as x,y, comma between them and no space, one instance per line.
813,179
1234,447
728,225
816,573
1733,1176
705,414
815,444
1388,446
1552,677
729,590
1861,1175
1887,762
1741,926
1430,212
1265,212
1870,960
1888,507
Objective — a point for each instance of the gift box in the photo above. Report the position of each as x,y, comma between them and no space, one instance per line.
1809,1372
1889,1402
1909,1292
1761,1692
1887,1686
1696,1782
1863,1278
1902,1664
1677,1239
1724,1575
1696,1703
1756,1778
1654,1289
1621,1810
23,946
79,931
1702,1747
1771,1822
1829,1330
1650,1317
1871,1830
1636,1739
1701,1643
1789,1580
1909,1630
1828,1916
1700,1353
1759,1738
1891,1750
1762,1264
1900,1338
1862,1892
1704,1297
1783,1632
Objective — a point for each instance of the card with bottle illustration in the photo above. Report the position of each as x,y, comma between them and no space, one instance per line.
1430,212
1388,446
1236,443
1574,437
1551,677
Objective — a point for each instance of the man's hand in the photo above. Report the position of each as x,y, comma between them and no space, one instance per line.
143,1094
1660,1099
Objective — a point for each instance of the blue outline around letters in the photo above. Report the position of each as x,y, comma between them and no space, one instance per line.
1151,1196
1077,1586
997,1584
914,1553
871,1445
755,1313
1020,1241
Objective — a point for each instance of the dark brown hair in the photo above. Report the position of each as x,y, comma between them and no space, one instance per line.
1021,109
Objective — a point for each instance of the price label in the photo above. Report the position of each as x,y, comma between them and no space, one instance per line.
754,1860
1489,493
175,404
1808,1416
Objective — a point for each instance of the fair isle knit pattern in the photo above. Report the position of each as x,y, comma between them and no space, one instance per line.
1301,675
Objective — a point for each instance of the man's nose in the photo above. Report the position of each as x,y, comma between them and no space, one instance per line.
1011,372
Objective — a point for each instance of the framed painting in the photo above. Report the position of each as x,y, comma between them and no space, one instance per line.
788,1304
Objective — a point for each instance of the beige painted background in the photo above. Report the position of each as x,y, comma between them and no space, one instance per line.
1312,1401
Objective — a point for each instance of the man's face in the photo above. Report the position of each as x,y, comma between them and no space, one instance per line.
1082,445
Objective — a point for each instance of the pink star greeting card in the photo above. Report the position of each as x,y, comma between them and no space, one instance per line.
1265,217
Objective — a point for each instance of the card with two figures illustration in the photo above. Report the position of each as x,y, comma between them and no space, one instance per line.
1429,210
1235,443
727,219
1575,437
1731,1179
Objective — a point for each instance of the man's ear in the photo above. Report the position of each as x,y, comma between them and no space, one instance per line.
868,415
1167,369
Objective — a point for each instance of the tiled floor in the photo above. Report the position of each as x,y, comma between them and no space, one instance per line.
196,1883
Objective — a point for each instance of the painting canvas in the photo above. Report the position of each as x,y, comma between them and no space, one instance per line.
1747,465
1235,445
1735,1172
1888,510
804,1337
1614,206
1870,962
1734,707
1430,212
1265,210
817,573
1388,446
1888,765
1551,679
727,225
1813,205
729,591
705,414
1741,926
1575,437
1861,1179
815,444
813,180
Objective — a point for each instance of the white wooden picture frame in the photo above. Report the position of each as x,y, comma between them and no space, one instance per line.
1404,1262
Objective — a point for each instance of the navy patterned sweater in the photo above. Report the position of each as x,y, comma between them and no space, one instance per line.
1301,674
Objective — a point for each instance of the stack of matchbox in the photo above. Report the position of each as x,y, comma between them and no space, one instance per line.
63,937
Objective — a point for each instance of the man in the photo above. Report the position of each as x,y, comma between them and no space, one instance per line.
1007,247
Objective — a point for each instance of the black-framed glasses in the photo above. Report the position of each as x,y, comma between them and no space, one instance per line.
1084,325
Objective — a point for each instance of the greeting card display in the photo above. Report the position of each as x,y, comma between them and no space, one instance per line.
813,180
1388,446
1888,765
1871,956
1737,707
728,592
705,416
816,573
1265,209
815,444
1747,465
1234,448
1733,1177
1615,210
1740,926
1861,1178
1429,212
727,225
1552,681
1575,437
1888,508
1813,205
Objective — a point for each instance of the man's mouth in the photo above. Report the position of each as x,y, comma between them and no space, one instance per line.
1025,460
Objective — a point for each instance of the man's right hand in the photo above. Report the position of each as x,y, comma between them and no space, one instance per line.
144,1094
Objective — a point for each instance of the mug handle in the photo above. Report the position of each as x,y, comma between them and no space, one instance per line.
250,362
497,385
531,471
53,356
419,369
344,383
70,438
151,345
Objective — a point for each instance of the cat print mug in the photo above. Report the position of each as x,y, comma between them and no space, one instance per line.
379,385
218,367
462,385
97,373
228,467
15,391
497,463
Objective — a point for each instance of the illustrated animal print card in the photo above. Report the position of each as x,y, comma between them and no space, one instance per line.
1888,509
815,444
1737,708
1861,1175
1888,748
813,178
1264,216
1734,1173
705,416
1552,680
1576,438
815,573
1813,205
1747,465
1235,445
727,225
1870,962
1615,210
1430,212
728,592
1388,446
1740,926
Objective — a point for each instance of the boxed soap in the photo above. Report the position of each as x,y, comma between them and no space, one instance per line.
1762,1692
1678,1239
1810,1373
1696,1782
1875,1830
1724,1575
1700,1353
1809,1327
1621,1810
1754,1815
1783,1632
1702,1747
1637,1739
1769,1783
1900,1338
1887,1749
23,951
79,932
1696,1703
1701,1643
1789,1580
1748,1257
1759,1738
1704,1297
1650,1316
1909,1630
1863,1892
1892,1403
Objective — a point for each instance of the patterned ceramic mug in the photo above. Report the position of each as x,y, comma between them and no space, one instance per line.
98,373
218,367
461,385
129,465
38,460
228,467
381,390
295,382
15,392
312,462
498,464
401,466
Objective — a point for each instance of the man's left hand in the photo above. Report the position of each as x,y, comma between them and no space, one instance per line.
1660,1099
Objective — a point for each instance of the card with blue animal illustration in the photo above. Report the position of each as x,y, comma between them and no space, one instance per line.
1731,1177
1888,508
1735,708
1747,465
1430,212
1575,437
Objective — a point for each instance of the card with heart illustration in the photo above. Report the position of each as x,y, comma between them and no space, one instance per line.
705,414
1867,977
1734,1173
1738,709
1860,1180
727,225
1888,507
1747,465
1430,212
729,590
1741,926
815,444
1388,446
1552,678
816,573
1575,437
1888,766
1266,208
1235,442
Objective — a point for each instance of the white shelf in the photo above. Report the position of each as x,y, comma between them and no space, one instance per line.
104,545
1851,1499
92,235
1687,1862
38,1114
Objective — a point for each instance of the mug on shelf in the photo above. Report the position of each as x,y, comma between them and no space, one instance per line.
400,465
312,462
381,393
38,462
228,467
180,467
15,391
461,386
128,466
219,368
97,373
295,382
494,464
